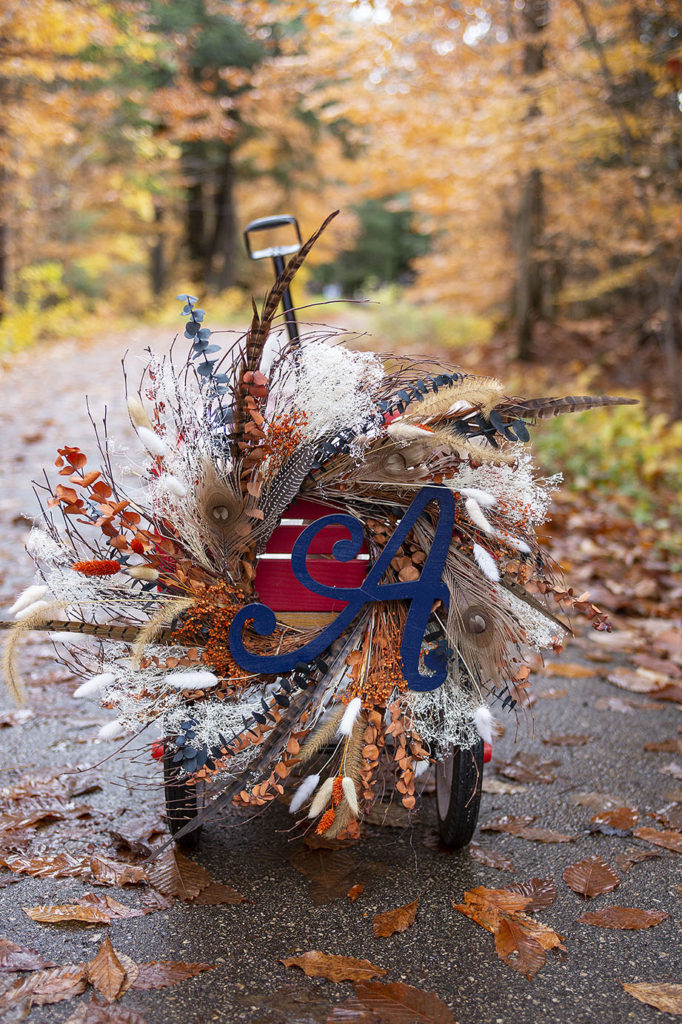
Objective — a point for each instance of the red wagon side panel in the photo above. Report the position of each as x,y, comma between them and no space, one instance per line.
276,584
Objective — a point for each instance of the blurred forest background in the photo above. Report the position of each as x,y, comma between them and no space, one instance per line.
508,173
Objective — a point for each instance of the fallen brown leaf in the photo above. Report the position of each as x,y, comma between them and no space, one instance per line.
528,768
499,786
671,746
569,739
355,891
397,1003
639,680
167,972
540,892
553,693
491,858
673,769
333,967
568,670
597,802
114,872
18,958
624,705
618,821
541,835
173,874
216,894
662,995
97,1013
66,912
520,940
48,986
591,877
60,865
623,917
634,855
106,973
668,839
398,920
108,905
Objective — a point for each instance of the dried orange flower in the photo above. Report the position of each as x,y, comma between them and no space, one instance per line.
97,567
326,821
337,790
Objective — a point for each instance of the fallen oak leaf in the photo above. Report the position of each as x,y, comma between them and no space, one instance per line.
664,996
333,967
398,920
18,958
528,768
668,838
162,973
67,912
60,865
591,877
397,1003
355,891
628,918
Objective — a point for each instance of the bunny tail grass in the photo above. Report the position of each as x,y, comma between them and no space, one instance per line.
10,649
151,629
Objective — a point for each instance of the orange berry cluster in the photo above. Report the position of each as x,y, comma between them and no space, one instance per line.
284,437
207,625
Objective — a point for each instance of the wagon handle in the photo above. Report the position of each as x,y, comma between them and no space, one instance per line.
277,254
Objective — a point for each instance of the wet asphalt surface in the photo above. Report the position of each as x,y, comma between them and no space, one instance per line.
42,406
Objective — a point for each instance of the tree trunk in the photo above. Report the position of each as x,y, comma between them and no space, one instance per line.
529,284
529,267
671,341
157,263
195,218
220,263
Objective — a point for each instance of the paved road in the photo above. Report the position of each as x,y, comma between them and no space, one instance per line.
42,405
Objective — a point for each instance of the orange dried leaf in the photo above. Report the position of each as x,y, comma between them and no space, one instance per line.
176,875
665,997
167,972
401,1004
66,912
106,973
623,918
668,838
333,967
398,920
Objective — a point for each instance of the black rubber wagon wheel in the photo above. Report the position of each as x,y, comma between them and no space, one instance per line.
182,801
459,777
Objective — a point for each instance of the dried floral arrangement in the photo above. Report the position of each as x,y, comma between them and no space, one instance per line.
402,615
